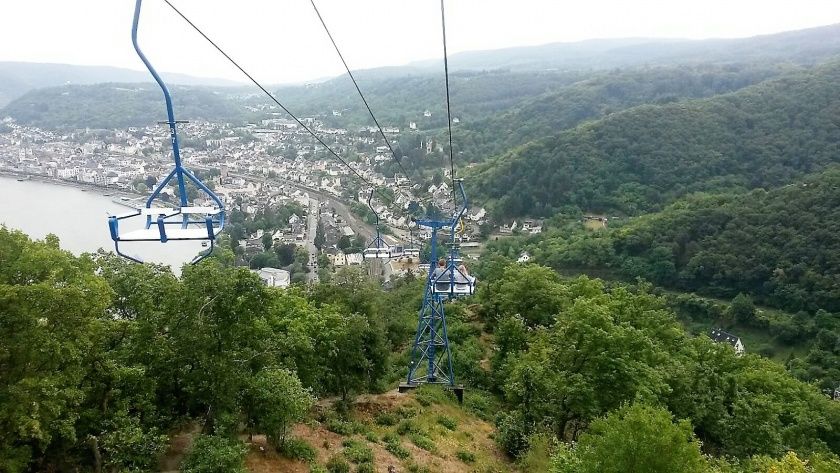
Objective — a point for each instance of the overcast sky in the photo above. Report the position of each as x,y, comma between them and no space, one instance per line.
282,41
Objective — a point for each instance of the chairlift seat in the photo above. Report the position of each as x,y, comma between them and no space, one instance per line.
155,211
165,223
153,234
452,283
376,253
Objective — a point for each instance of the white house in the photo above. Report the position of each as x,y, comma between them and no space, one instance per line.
477,215
524,257
720,336
273,277
354,259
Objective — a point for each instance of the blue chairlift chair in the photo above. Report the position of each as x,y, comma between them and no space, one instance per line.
451,281
163,224
377,249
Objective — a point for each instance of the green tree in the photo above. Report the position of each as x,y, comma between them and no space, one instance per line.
285,253
277,401
742,309
217,330
51,304
267,241
320,236
359,357
266,259
634,439
601,351
532,292
344,243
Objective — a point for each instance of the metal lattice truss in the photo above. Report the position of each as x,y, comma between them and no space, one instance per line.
431,360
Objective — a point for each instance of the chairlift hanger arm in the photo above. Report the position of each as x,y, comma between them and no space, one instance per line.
464,207
170,112
370,206
448,101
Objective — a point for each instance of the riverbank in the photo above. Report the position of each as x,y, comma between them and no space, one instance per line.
84,186
39,207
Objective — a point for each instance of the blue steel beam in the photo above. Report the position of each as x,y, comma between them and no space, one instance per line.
170,114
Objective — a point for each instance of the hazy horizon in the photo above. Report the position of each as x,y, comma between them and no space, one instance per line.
285,44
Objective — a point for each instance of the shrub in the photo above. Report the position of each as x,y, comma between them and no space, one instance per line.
539,453
356,452
481,404
447,422
423,442
386,419
408,427
393,445
465,456
415,468
371,437
317,469
428,395
341,427
298,449
338,464
406,412
512,432
214,454
127,446
365,468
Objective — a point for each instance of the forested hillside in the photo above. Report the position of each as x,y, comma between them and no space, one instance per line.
119,106
781,246
17,78
777,247
400,100
397,101
598,95
112,366
641,159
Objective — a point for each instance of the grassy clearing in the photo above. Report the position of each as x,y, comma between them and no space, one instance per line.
426,430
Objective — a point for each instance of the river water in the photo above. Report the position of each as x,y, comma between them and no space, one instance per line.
80,220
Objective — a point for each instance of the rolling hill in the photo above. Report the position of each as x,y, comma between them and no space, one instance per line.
17,78
119,106
806,46
640,159
599,95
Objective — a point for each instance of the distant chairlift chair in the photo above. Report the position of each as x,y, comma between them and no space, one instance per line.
451,282
180,223
377,249
411,250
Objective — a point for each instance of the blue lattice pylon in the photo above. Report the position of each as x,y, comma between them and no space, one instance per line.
431,358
